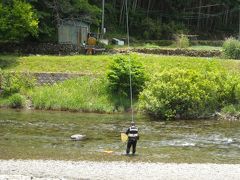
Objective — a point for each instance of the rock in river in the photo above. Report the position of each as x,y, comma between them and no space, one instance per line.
78,137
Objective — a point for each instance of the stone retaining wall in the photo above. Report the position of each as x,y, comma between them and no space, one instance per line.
40,48
176,52
51,78
48,78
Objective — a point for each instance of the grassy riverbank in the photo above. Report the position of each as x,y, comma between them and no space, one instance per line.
85,94
90,94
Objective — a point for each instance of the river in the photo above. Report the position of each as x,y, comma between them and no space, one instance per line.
46,135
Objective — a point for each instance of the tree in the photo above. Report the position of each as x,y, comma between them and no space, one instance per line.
52,12
17,21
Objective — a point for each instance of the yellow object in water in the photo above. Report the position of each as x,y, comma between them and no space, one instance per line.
108,152
124,137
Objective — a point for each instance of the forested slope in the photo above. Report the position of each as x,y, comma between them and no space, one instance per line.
148,19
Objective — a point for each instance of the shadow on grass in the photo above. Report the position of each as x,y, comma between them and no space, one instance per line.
8,61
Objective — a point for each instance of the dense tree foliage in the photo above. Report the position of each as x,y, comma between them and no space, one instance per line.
17,20
148,19
51,13
154,19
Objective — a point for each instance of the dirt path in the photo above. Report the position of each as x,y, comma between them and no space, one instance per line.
45,169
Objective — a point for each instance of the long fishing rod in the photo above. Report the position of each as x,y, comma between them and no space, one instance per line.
130,73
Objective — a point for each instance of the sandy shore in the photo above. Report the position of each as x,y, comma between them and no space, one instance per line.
48,169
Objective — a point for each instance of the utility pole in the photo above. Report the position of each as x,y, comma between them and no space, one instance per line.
102,29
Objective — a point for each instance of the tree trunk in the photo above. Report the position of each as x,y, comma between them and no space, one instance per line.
149,5
199,14
207,20
134,7
226,16
121,12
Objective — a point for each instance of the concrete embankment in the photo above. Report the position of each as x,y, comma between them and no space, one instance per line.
48,169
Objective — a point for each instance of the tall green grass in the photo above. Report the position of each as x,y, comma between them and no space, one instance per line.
85,94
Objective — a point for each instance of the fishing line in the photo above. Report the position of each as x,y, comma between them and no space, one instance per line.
129,60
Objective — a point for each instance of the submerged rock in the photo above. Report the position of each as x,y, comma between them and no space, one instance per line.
78,137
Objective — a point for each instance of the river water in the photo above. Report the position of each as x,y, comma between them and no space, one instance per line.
46,135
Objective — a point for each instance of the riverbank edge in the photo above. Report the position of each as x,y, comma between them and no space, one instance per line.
52,169
214,116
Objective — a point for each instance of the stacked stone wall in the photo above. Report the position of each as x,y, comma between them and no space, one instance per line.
51,78
40,48
174,52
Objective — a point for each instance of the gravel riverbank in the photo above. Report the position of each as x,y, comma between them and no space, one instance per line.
49,169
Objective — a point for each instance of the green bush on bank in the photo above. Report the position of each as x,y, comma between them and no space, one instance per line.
119,76
186,94
231,48
86,94
119,80
17,101
12,83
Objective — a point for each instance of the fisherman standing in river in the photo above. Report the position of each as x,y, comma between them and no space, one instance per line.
133,137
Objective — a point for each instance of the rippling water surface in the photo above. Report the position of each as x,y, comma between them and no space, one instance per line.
46,135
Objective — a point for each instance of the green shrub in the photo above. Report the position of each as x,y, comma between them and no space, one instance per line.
16,82
16,101
231,48
188,94
182,41
119,80
119,76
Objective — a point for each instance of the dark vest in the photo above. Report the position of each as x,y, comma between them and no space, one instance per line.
133,132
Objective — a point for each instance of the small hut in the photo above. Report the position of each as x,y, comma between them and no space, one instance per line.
73,31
